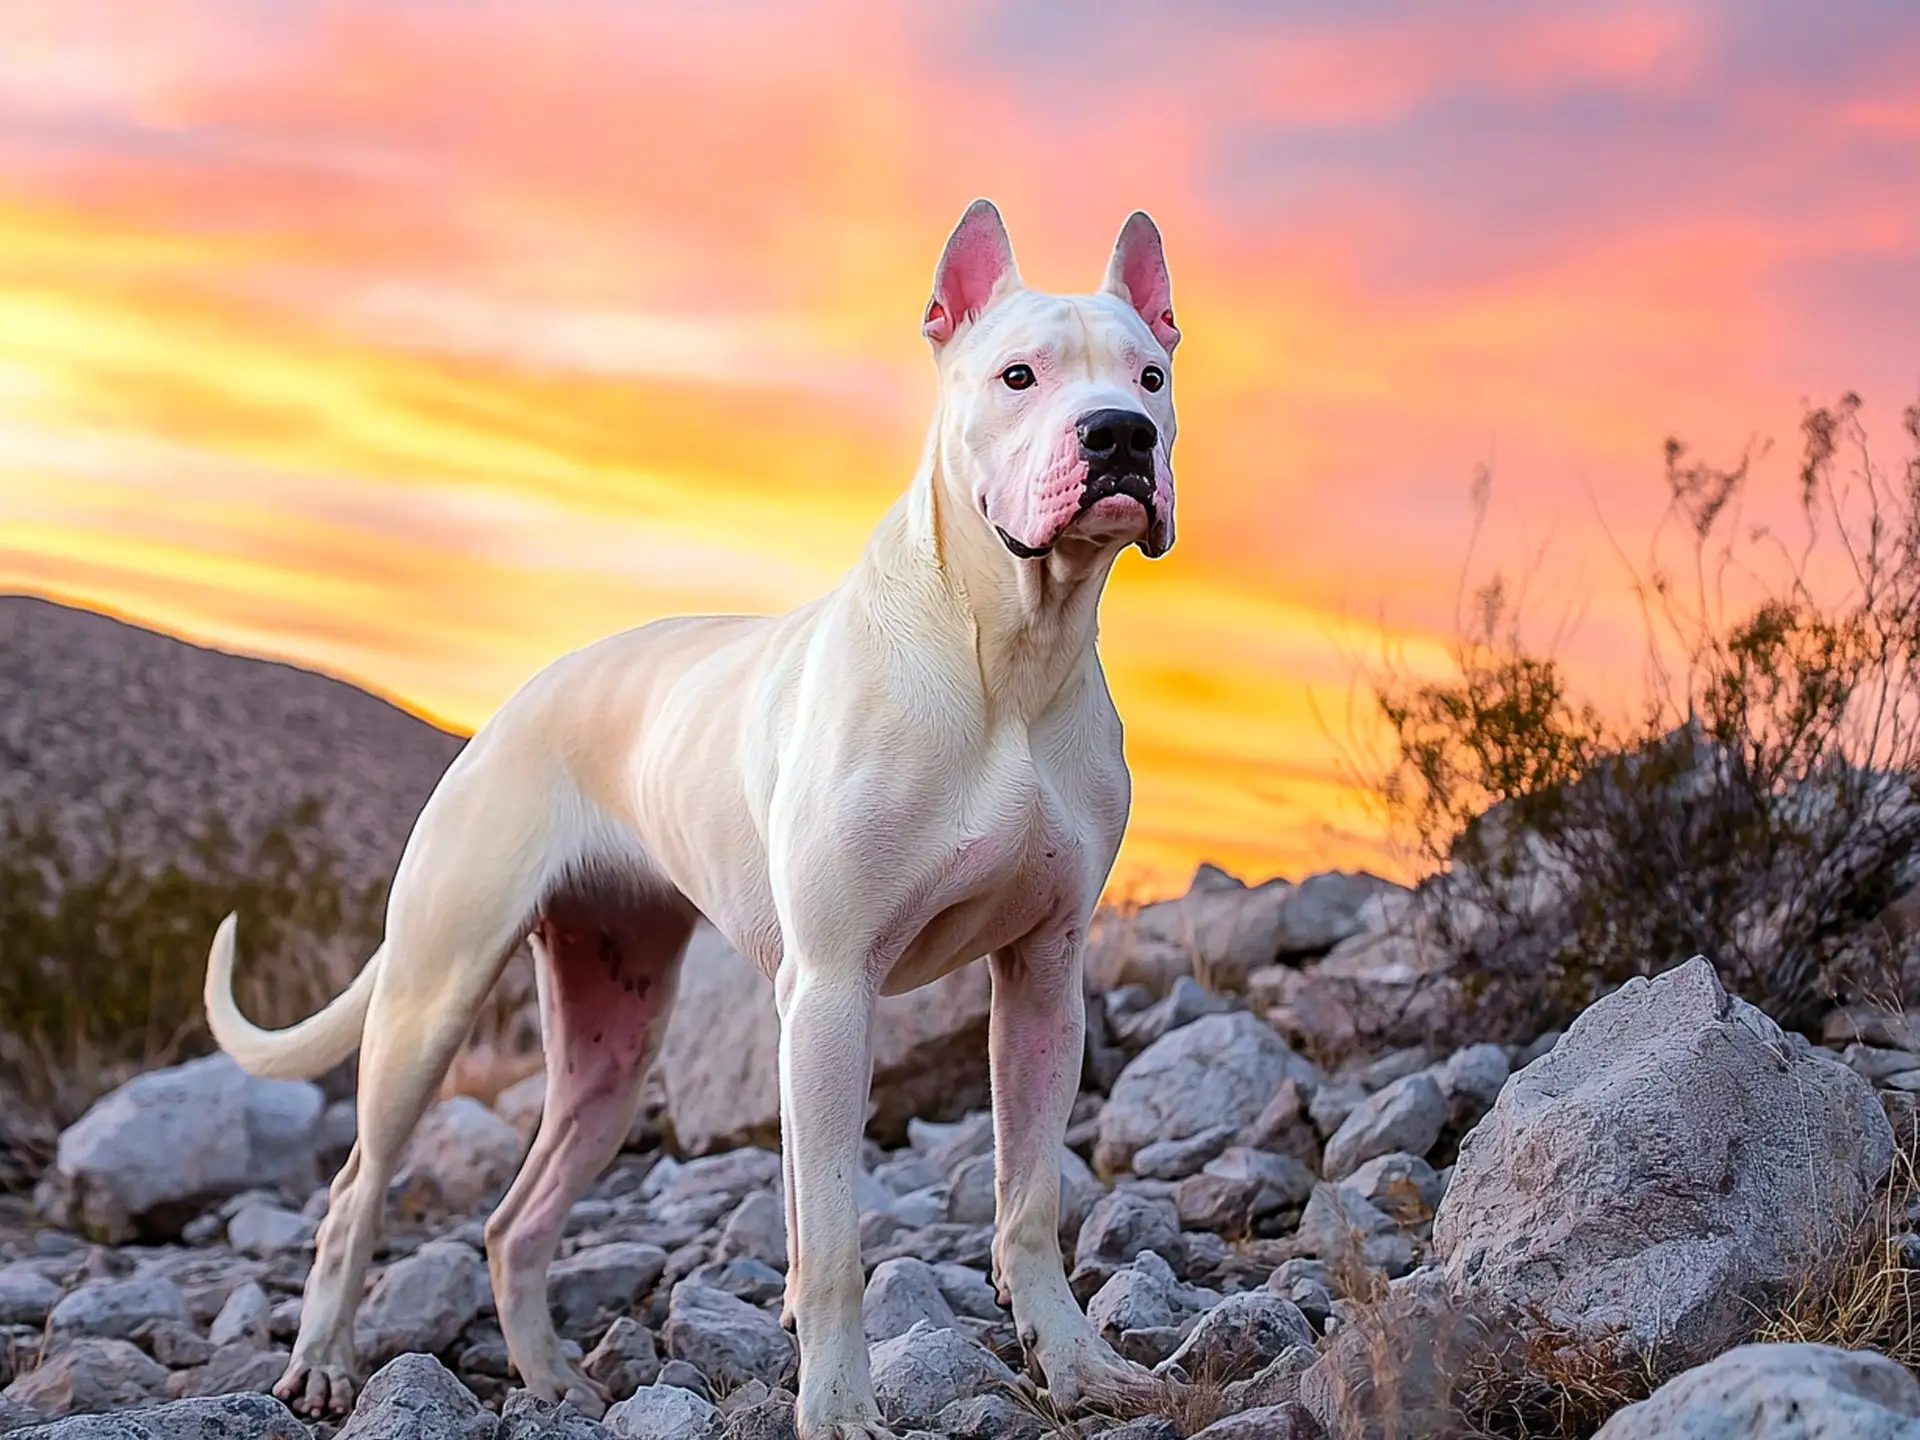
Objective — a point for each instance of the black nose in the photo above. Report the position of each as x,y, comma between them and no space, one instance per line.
1117,442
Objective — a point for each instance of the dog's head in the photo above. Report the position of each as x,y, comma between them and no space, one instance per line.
1056,410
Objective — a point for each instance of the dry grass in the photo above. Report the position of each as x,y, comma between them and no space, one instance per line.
1872,1301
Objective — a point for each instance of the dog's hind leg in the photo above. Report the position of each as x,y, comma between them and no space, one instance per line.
610,957
463,898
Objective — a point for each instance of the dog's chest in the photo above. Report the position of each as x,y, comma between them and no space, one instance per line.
1002,883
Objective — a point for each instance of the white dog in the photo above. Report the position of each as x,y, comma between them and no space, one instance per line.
920,769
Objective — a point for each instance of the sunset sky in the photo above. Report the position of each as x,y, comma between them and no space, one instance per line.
421,341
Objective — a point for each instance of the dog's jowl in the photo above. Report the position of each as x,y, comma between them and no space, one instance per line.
920,770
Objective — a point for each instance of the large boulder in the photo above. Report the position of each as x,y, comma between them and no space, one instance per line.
151,1155
1674,1162
1779,1392
720,1060
1220,1071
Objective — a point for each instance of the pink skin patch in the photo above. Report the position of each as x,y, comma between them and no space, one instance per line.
1037,515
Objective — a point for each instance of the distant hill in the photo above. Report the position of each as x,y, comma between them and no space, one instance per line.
105,722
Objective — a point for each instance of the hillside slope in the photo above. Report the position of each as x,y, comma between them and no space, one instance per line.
103,722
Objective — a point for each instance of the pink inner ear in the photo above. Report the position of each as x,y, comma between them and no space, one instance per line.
1140,267
977,259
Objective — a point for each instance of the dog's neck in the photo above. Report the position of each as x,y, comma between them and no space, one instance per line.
1034,622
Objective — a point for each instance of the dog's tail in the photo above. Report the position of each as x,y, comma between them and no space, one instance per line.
299,1052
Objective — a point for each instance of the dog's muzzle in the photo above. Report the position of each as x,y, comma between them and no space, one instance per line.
1117,447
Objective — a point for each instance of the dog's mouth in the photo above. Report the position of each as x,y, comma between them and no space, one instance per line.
1098,494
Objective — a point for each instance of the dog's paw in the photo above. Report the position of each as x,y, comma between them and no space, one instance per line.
567,1383
316,1390
1089,1373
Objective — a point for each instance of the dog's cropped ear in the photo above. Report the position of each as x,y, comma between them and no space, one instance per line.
1138,275
975,268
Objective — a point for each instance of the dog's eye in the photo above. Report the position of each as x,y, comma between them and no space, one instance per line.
1152,378
1017,377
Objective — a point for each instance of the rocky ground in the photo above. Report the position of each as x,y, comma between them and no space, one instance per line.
1299,1248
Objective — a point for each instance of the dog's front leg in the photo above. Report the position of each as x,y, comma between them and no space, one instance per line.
1036,1032
826,1065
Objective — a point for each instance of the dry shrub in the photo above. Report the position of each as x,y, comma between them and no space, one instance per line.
1762,807
1421,1362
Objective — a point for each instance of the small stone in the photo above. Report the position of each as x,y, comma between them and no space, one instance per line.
1471,1080
1291,1421
988,1417
1147,1427
665,1412
625,1359
266,1230
1338,1225
1118,1228
1871,1062
1333,1102
483,1353
1284,1126
1394,1065
767,1417
113,1310
730,1175
223,1417
415,1397
26,1296
1788,1391
920,1373
678,1373
968,1292
729,1340
463,1152
232,1369
757,1229
1186,1001
525,1416
1145,1295
1239,1335
601,1279
1402,1186
245,1318
746,1279
970,1193
1177,1159
174,1343
945,1146
1306,1284
1239,1188
1407,1116
423,1302
89,1375
900,1294
1219,1070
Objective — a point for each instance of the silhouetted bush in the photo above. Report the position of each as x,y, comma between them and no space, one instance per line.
1762,808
